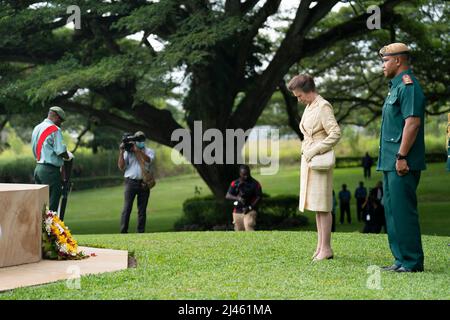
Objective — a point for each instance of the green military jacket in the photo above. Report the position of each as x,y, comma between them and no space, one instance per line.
405,99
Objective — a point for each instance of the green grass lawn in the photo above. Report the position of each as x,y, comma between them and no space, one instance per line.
98,211
253,265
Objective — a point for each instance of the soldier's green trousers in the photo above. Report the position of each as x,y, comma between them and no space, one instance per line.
50,175
402,219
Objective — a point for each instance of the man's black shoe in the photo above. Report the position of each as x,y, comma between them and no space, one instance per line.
394,267
403,269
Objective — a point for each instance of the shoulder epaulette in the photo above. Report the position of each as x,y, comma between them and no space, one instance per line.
407,79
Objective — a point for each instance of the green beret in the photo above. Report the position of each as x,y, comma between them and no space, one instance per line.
59,111
394,49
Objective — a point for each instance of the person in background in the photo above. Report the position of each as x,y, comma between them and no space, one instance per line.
379,192
373,214
344,204
360,195
367,163
130,163
246,193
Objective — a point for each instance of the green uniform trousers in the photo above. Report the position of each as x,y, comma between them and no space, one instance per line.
50,175
402,219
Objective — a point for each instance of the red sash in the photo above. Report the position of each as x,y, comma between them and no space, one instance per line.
42,138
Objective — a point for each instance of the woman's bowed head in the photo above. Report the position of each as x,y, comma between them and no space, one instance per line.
303,88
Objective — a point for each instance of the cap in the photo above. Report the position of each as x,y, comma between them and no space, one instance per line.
139,134
59,111
394,49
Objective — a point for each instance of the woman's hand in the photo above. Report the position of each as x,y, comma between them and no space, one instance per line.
309,154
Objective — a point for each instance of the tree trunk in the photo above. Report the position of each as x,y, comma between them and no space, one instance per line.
218,177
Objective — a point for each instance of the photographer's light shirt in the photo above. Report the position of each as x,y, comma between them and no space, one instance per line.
53,146
132,167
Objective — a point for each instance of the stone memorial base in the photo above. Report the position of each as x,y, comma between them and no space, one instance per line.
21,222
47,271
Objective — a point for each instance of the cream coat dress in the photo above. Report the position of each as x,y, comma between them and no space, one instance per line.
321,133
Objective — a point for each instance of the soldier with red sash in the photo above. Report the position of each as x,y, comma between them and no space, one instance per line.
50,152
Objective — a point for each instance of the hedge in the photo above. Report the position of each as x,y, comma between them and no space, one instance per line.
205,213
352,162
21,169
88,169
102,168
96,182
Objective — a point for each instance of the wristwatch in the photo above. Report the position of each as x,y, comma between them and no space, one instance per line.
400,157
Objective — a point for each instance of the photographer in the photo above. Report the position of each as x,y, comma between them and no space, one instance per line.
246,192
133,157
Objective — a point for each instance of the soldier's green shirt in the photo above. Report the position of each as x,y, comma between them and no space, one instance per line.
404,100
53,146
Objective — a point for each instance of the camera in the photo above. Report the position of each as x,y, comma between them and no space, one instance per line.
243,195
129,139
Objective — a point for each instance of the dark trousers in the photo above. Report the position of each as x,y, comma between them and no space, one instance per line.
359,210
366,172
402,219
372,228
345,208
51,176
134,188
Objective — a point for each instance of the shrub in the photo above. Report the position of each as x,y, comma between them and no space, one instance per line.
89,169
17,170
96,182
351,162
205,213
20,169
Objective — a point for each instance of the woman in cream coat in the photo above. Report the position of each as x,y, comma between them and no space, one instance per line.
321,133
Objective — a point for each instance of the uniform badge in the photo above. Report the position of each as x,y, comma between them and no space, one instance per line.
407,79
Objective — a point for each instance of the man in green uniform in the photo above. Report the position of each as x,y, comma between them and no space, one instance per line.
402,157
50,152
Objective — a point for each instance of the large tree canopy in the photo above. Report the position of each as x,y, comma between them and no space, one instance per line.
230,69
350,72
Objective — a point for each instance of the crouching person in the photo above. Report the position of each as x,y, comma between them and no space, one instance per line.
246,193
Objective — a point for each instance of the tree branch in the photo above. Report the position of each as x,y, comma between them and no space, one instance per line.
148,44
102,32
351,28
80,136
365,124
258,20
232,7
3,123
248,5
292,49
291,107
306,18
157,124
435,113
